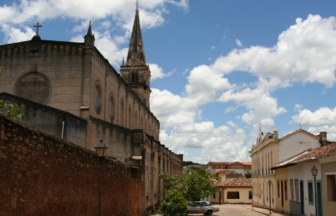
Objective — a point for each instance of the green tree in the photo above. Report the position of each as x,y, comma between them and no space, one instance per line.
248,175
174,203
194,184
13,111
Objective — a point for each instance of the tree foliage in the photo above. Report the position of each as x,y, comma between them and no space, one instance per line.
12,111
174,203
194,184
1,69
248,175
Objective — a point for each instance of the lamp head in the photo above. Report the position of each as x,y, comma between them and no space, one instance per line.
269,182
164,176
101,149
314,171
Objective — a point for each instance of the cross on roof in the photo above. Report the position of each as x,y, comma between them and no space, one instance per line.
37,26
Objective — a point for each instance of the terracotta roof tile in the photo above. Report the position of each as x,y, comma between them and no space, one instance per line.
220,171
219,163
235,182
320,152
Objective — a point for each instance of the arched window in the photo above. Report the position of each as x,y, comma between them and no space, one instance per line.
122,117
129,117
97,98
111,108
132,78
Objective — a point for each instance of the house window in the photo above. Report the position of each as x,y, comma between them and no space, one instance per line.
214,196
285,189
250,194
331,187
310,192
297,190
292,189
233,195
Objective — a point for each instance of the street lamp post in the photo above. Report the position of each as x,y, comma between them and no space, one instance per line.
269,184
101,152
252,196
314,171
164,185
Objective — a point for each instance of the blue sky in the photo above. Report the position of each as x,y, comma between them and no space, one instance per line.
219,68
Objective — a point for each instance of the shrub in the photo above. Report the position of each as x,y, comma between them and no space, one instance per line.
174,203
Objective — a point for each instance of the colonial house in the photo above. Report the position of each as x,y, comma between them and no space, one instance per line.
264,155
299,198
288,167
241,167
232,188
233,191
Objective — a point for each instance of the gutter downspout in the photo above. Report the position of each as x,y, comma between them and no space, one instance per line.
62,130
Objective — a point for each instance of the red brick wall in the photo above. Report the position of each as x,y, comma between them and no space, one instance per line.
41,174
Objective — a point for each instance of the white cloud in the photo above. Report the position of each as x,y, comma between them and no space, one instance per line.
82,26
13,35
263,107
173,110
322,116
298,107
185,71
213,47
106,24
202,79
331,131
107,46
157,72
230,109
121,10
239,43
306,52
260,104
231,123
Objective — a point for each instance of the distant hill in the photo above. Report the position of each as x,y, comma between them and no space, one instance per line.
187,163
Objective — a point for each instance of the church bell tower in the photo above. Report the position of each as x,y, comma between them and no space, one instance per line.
136,73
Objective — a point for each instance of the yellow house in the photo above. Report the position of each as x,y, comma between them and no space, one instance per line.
264,155
233,191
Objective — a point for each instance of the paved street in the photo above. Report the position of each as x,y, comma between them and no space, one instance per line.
240,210
235,210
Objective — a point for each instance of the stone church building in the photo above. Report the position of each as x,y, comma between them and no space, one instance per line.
71,90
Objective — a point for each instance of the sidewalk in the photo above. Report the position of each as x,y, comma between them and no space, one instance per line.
265,211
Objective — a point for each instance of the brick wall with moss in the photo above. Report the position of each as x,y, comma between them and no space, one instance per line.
41,174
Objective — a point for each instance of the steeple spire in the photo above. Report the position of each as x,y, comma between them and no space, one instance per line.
89,32
89,37
136,51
